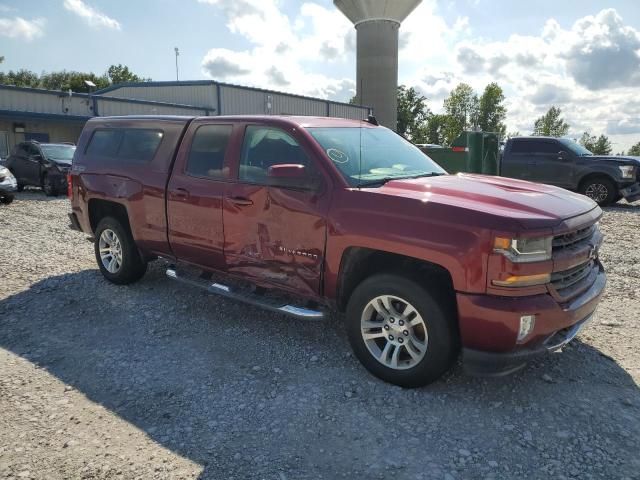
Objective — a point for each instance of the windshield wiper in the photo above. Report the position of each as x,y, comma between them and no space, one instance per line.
382,181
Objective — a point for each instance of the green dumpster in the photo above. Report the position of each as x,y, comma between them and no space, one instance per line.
471,152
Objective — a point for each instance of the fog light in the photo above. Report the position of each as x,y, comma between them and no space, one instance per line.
527,322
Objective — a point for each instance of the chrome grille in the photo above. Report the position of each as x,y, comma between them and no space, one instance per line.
574,239
568,278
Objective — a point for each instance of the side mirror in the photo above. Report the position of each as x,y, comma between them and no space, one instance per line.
37,157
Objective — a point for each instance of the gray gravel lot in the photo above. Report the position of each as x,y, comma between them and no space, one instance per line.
156,380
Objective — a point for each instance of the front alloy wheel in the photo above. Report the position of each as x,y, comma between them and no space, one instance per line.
403,330
394,332
110,250
597,192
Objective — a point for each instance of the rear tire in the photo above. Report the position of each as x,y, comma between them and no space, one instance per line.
7,199
396,313
117,254
601,190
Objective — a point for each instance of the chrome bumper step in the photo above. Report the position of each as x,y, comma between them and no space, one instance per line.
265,301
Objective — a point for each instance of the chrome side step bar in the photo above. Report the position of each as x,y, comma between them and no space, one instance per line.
250,298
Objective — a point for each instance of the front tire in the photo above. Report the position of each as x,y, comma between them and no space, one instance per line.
117,254
400,332
7,199
48,187
601,190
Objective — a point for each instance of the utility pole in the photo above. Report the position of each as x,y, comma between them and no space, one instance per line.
177,54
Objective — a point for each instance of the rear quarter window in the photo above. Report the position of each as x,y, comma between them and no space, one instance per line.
534,146
131,145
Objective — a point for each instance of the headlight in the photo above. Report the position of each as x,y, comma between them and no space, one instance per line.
524,250
628,171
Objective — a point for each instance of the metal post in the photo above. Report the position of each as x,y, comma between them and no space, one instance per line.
177,53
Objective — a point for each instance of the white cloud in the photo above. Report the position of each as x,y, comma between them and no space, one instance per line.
91,15
591,69
18,27
286,53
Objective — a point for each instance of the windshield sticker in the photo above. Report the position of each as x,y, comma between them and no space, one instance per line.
337,156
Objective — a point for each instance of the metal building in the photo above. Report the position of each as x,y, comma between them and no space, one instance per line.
377,23
56,116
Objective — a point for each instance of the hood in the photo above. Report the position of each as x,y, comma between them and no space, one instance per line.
59,161
622,159
532,205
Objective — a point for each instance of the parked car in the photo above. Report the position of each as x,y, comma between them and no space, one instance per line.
564,163
8,185
44,165
301,215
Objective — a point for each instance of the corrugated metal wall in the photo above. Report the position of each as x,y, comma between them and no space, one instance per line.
107,107
198,95
348,111
234,100
238,100
38,101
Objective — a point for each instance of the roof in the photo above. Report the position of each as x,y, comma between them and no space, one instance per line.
191,83
283,120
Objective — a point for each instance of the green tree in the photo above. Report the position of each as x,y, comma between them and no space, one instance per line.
551,124
491,110
635,150
413,114
121,74
65,80
462,107
20,78
436,129
598,145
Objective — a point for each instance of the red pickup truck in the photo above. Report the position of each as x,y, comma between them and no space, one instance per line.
303,215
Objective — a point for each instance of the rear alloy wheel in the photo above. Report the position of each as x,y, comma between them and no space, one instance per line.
116,252
110,251
601,190
48,187
400,332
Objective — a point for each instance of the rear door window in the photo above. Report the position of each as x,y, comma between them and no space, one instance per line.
206,157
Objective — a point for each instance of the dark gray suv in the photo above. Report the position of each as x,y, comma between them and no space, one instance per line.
43,165
564,163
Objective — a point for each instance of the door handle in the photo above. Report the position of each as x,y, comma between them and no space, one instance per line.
242,201
181,193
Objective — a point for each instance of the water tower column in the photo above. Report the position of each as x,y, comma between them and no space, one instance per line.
377,24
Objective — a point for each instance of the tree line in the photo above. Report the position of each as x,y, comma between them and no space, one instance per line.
68,79
464,110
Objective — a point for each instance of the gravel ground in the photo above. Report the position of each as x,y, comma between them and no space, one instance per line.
156,380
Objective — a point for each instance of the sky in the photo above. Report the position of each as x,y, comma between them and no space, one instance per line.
581,55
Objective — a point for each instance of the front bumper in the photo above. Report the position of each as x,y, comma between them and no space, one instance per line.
59,181
489,327
489,364
631,193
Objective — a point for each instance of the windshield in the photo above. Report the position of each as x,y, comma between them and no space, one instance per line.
366,155
59,152
575,147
